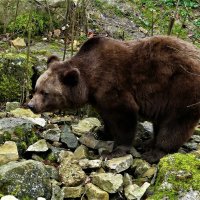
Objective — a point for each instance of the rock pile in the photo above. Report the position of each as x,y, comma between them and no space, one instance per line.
59,159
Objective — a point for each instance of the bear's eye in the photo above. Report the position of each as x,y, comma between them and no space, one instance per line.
44,93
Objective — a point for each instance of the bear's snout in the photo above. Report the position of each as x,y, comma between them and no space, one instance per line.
31,106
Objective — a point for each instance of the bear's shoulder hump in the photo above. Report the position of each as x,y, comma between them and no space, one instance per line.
91,44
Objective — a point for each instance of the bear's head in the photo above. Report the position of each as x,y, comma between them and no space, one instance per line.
59,87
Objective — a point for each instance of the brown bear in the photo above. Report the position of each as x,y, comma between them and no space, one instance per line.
157,78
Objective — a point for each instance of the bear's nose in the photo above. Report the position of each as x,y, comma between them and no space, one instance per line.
31,106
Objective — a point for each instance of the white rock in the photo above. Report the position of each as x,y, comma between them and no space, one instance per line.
8,197
129,191
190,195
85,125
119,164
134,192
39,146
85,163
39,121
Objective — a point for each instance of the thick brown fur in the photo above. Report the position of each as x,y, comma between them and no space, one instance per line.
157,78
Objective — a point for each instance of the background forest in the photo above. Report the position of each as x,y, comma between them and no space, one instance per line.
57,156
63,25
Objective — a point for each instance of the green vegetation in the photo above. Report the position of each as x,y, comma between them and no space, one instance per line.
52,157
6,137
21,136
31,20
24,138
39,24
155,17
13,68
177,172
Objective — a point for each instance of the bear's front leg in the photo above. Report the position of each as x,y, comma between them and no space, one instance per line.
122,126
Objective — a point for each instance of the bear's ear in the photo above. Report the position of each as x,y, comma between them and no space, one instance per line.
52,59
71,77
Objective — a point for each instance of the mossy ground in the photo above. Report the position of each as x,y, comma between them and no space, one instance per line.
177,173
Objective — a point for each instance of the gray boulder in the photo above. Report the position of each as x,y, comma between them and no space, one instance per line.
27,178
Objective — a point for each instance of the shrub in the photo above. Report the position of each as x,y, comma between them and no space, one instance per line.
39,23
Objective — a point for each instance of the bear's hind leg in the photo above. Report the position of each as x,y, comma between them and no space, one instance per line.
170,136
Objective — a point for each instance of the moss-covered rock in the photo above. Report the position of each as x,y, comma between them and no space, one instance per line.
178,174
25,180
12,106
18,130
15,73
24,138
21,112
9,125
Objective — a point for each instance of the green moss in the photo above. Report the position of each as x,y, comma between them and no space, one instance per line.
14,71
52,157
6,136
1,139
40,52
55,46
12,56
177,172
22,146
171,196
39,23
159,12
24,138
4,189
26,198
31,137
16,190
19,132
4,45
3,114
21,112
20,57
